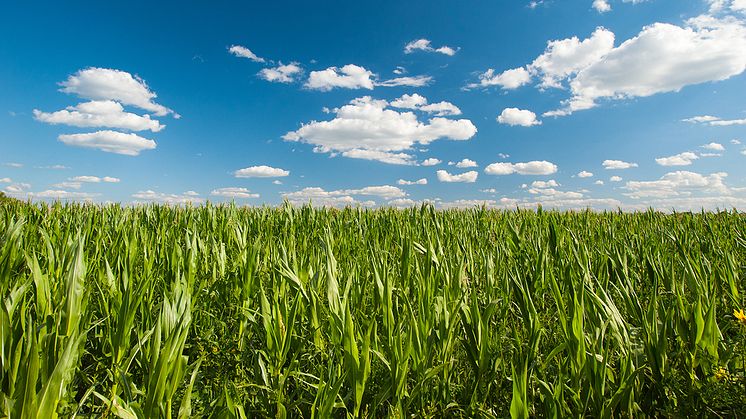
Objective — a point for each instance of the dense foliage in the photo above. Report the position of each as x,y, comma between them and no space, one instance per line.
154,311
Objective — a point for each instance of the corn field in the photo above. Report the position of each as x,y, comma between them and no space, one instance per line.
230,312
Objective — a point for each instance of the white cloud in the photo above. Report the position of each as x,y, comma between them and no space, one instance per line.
441,109
260,171
662,58
601,6
617,165
110,142
554,193
515,116
68,185
189,197
381,156
714,146
100,84
99,113
412,101
743,152
599,182
385,191
585,174
53,167
344,197
542,167
425,45
735,141
17,189
411,81
9,180
566,57
399,70
681,159
715,121
350,76
94,179
466,163
717,6
283,73
432,161
466,177
320,197
402,203
544,184
415,101
508,79
244,52
366,125
680,183
234,193
13,165
422,181
62,195
615,179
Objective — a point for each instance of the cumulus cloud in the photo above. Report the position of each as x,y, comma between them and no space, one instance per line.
662,58
515,116
109,141
541,167
601,6
261,172
566,57
189,197
426,45
585,174
679,183
106,84
99,113
418,102
615,179
283,73
244,52
508,79
617,165
432,161
466,163
9,180
350,76
713,146
366,127
551,183
343,197
234,192
681,159
422,181
466,177
412,101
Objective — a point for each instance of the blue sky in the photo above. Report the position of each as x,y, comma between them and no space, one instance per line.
503,103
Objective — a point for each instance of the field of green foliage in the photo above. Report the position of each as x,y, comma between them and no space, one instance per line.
156,311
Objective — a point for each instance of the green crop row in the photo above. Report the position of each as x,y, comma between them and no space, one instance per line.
230,312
